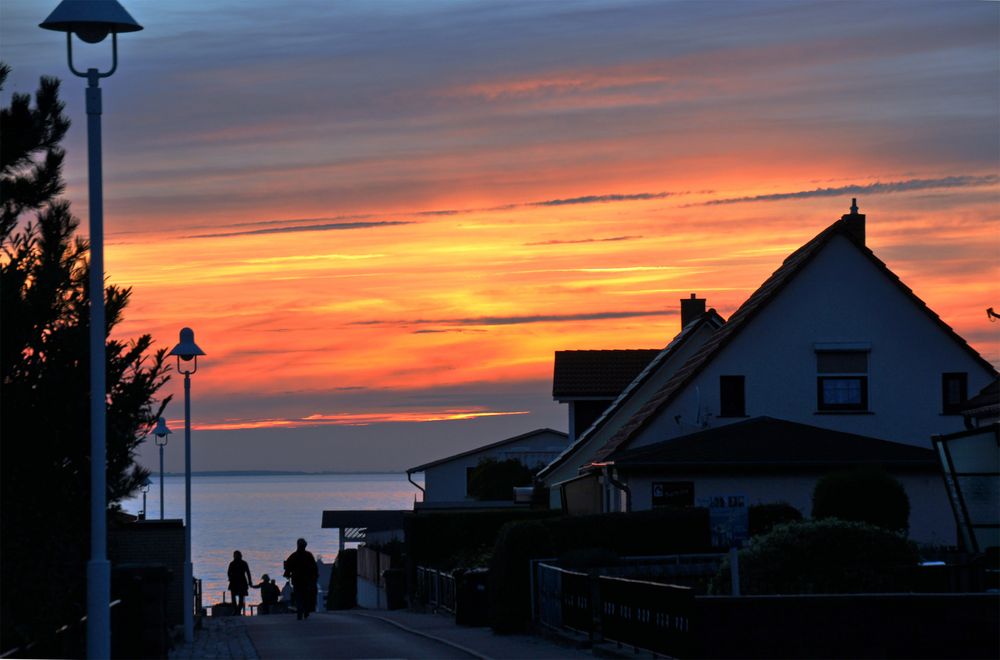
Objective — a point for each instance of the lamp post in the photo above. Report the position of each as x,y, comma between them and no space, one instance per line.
92,22
145,489
187,353
160,434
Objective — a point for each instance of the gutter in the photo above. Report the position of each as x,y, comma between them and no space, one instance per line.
614,482
410,479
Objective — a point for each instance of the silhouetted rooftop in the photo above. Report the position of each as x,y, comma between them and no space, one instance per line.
597,373
772,443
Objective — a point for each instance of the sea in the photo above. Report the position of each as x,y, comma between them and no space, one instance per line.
262,515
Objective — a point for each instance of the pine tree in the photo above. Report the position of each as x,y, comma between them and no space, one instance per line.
44,364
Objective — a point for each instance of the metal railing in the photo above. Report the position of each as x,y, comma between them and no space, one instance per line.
436,588
67,641
649,614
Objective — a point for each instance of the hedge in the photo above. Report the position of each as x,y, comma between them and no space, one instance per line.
866,494
762,518
450,539
826,556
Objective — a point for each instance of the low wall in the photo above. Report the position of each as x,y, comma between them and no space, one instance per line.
149,542
853,625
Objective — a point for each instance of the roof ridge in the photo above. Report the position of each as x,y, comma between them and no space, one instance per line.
764,294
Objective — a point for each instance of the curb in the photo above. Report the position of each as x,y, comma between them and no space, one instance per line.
463,649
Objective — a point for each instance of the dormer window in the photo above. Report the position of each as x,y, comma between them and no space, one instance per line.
841,379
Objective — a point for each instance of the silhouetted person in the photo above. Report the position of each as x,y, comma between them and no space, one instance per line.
269,593
239,581
300,567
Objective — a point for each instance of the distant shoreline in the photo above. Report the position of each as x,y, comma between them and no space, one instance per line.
277,473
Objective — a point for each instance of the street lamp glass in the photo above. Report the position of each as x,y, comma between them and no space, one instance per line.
90,20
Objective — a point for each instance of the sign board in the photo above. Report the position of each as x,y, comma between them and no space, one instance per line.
728,518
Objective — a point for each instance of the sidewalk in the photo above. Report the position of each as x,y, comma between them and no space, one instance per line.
219,638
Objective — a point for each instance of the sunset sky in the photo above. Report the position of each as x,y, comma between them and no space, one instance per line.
382,218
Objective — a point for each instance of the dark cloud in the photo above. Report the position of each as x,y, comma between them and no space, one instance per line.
520,320
871,188
333,226
596,199
587,240
440,330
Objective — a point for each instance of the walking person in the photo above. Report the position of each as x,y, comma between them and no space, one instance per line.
300,567
239,582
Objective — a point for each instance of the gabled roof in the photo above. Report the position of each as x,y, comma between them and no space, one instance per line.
711,317
495,445
772,443
760,298
602,374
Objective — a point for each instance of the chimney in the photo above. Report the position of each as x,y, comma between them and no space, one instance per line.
692,309
855,222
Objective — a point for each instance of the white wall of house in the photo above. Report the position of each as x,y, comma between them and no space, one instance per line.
931,518
584,453
370,596
840,297
446,482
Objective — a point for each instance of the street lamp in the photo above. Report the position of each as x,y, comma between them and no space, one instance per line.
160,434
145,489
187,353
92,21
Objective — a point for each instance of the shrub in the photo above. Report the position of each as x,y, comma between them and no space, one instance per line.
495,480
864,494
822,556
764,517
342,594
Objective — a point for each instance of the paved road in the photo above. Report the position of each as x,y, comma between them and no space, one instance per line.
330,635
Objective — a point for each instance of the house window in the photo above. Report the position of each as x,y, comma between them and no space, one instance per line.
468,479
842,380
732,396
954,392
672,494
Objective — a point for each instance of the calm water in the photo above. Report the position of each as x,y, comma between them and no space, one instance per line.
261,516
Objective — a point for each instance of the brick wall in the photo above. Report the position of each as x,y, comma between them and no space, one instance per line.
150,542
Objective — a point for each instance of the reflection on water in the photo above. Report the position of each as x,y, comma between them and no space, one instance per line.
261,516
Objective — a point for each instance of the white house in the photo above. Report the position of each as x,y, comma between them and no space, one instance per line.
697,325
446,480
833,340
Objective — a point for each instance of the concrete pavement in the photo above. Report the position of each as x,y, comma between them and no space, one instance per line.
362,634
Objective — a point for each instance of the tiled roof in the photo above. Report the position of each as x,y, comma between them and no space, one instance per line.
770,442
495,445
792,265
597,373
710,317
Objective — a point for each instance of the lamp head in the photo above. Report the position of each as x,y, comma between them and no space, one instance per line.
145,485
90,20
186,350
161,431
